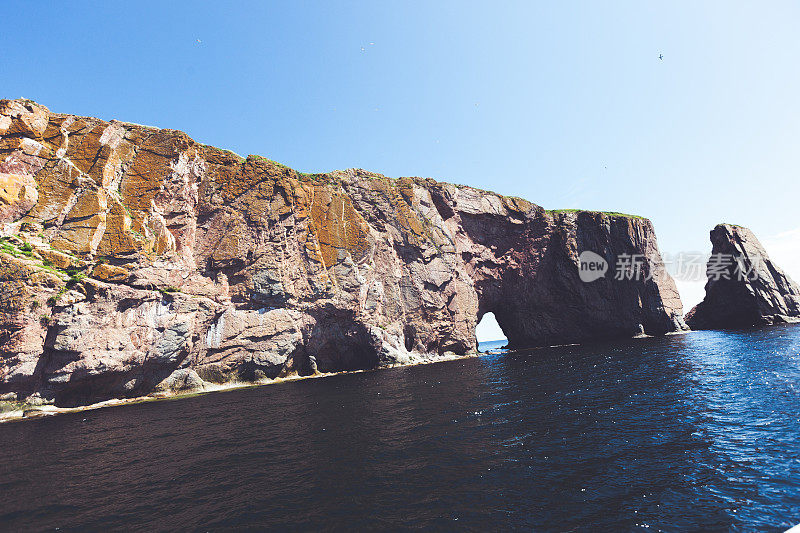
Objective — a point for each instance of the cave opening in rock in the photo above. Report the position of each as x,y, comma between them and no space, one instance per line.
489,332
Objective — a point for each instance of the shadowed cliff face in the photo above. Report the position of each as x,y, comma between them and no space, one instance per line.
745,288
136,259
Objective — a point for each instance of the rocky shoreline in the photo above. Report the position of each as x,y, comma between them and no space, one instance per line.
135,262
13,410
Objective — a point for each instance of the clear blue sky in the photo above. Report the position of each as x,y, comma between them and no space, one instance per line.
563,103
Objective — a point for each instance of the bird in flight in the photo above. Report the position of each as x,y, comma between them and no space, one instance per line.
661,57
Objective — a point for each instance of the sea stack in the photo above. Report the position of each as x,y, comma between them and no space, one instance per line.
744,288
135,259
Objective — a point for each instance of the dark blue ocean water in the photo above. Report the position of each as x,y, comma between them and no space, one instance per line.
690,432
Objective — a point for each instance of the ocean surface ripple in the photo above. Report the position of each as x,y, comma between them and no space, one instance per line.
688,432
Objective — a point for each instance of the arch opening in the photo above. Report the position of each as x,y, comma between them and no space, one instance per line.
489,333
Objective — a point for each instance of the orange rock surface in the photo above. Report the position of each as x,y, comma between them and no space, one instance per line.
135,259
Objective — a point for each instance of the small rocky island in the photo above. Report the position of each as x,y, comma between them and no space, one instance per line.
745,288
135,260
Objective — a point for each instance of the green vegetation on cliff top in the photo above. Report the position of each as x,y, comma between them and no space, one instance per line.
608,213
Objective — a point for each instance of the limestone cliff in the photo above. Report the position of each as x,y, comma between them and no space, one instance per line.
136,259
744,288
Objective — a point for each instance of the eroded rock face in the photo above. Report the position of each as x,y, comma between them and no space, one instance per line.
744,288
18,195
146,261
